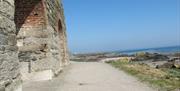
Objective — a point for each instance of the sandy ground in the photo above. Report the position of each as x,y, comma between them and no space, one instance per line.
89,76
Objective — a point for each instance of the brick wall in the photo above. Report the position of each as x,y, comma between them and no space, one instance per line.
29,13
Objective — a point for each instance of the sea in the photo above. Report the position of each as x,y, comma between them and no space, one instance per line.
162,50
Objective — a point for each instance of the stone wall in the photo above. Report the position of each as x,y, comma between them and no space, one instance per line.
32,40
56,20
9,64
40,40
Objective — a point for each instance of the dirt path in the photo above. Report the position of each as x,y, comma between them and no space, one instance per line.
89,76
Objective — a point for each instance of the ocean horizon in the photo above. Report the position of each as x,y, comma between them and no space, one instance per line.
163,50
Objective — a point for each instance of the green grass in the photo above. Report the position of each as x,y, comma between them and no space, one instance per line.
163,79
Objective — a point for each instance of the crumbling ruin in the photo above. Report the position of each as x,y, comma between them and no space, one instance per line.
32,40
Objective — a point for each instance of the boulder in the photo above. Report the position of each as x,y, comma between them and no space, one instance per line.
166,65
150,56
177,63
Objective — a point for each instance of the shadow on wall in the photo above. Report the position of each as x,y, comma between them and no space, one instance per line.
24,9
62,41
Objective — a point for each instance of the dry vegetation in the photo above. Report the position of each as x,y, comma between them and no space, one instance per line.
163,79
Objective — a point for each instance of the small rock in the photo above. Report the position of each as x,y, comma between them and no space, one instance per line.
177,64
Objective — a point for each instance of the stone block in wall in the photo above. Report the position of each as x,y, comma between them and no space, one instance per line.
9,67
11,49
33,48
7,26
39,76
3,39
6,9
37,34
32,32
35,41
12,40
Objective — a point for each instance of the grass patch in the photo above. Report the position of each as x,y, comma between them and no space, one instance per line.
163,79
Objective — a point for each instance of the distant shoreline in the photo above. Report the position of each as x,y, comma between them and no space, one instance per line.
162,50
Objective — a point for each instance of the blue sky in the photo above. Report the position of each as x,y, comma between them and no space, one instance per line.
109,25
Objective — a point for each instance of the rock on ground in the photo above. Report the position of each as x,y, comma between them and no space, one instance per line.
89,76
177,63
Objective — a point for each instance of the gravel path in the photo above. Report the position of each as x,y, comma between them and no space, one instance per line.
89,76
